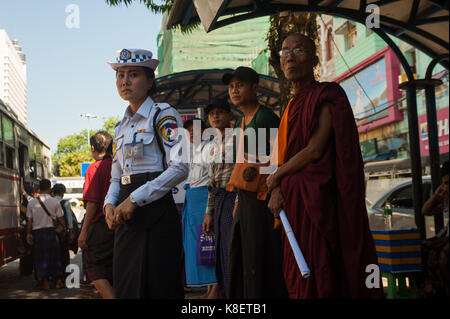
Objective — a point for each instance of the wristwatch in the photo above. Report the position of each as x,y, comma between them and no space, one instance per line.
133,201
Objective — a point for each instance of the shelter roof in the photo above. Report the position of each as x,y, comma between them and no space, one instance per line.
196,88
422,23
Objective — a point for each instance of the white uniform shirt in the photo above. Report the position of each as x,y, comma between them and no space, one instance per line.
199,168
139,128
40,217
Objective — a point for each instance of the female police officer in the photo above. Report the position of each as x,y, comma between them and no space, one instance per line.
139,203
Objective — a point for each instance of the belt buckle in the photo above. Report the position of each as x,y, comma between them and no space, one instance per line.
125,180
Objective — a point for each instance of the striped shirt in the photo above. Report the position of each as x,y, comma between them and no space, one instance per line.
219,172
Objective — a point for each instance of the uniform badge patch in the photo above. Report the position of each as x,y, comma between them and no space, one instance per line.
168,128
125,54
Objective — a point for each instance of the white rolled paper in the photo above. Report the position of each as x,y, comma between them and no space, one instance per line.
301,262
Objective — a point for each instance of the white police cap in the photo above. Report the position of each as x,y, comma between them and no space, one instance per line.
134,57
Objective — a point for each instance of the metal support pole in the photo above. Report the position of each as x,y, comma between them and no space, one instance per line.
433,138
433,147
413,126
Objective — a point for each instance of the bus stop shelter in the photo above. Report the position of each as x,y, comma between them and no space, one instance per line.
424,24
197,88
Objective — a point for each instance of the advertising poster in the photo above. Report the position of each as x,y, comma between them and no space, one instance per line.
368,83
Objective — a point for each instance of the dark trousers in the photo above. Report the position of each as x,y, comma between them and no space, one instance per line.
255,251
223,221
64,253
148,251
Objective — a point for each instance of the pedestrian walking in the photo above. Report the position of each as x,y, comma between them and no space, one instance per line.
147,164
96,239
58,191
41,212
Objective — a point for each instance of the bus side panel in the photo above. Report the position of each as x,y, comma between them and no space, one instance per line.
8,245
9,217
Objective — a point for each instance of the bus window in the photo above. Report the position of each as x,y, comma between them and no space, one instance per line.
38,150
47,172
23,160
9,158
1,153
8,131
31,150
39,172
1,143
32,168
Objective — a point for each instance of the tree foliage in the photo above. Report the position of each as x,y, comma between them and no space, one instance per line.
155,6
161,6
74,149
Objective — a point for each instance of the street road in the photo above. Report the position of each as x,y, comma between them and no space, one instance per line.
14,286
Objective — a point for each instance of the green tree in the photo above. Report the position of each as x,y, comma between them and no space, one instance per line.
156,7
109,124
74,149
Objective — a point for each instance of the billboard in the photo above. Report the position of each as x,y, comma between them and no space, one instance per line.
368,83
443,133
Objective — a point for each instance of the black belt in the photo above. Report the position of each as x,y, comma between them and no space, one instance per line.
138,178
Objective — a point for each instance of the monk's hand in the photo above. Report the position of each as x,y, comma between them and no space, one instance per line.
276,201
208,221
272,182
109,216
124,211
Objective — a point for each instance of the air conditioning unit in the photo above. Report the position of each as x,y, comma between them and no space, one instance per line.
403,105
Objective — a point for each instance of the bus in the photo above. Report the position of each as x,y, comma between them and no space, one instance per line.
74,194
25,159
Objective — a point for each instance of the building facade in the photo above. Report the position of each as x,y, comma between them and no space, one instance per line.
13,76
370,73
240,44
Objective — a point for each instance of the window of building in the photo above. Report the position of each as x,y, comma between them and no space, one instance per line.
329,46
351,36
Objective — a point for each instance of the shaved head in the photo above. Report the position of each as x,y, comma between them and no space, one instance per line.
298,67
309,43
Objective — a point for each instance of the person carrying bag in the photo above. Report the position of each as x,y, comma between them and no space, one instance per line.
59,227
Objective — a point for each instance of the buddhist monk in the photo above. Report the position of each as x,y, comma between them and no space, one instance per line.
320,184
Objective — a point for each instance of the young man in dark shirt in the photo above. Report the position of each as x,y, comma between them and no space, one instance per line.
255,247
96,239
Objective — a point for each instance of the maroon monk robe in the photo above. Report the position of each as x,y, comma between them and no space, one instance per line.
325,202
